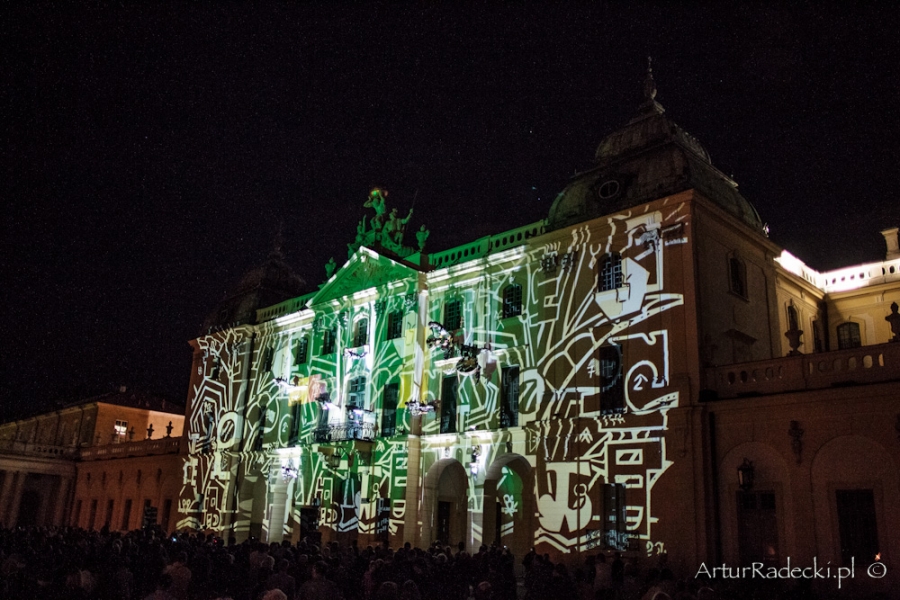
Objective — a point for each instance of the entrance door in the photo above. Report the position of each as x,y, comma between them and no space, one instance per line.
757,528
443,522
309,524
858,529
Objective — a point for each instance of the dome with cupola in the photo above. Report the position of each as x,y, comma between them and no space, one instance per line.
649,158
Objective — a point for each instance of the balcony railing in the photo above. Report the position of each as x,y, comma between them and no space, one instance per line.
35,449
856,366
348,430
168,445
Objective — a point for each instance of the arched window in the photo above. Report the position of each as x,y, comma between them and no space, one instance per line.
848,336
512,300
610,272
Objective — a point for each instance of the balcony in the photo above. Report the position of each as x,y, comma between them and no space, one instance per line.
348,430
856,366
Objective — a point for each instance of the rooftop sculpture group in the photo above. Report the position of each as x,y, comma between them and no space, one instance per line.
385,230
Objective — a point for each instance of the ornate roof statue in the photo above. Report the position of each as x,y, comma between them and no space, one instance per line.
384,231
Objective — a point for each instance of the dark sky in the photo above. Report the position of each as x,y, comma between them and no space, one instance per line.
150,153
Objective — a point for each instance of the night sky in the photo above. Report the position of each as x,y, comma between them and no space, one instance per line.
150,153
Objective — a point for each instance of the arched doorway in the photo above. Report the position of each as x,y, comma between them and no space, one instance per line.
509,504
446,503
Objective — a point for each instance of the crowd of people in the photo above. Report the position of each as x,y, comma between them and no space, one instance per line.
71,563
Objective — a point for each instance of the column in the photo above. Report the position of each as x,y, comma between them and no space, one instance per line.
62,501
15,499
413,529
279,506
5,492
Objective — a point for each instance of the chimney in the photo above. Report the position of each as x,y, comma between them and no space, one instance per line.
893,245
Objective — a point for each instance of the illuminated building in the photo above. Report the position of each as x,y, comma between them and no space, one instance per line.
92,463
590,381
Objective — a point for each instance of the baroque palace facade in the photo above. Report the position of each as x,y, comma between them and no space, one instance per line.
644,370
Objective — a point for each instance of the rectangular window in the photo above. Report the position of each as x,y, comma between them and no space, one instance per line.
121,428
395,325
612,390
328,338
389,409
268,358
452,315
448,404
126,515
737,276
848,336
356,394
76,518
361,333
857,526
512,301
301,350
509,407
296,422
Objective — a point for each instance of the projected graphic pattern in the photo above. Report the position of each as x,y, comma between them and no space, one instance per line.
548,381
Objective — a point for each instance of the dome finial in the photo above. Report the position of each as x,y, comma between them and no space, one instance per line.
649,83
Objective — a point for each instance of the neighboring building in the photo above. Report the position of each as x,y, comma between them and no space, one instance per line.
590,381
56,465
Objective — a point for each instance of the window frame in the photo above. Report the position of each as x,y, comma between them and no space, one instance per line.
394,325
301,350
512,300
737,277
361,332
449,404
356,393
509,396
390,398
610,276
329,341
612,393
453,308
849,335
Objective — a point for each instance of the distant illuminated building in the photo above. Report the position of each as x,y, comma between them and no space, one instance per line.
590,381
97,462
